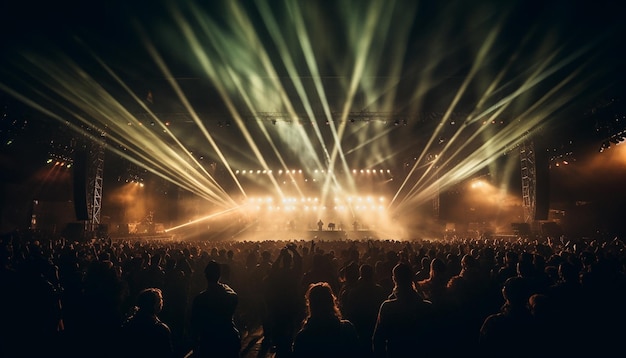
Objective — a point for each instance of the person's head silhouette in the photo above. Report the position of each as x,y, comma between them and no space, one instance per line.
321,301
212,271
150,301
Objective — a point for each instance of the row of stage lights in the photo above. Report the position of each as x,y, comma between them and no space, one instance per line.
291,200
616,139
59,160
316,171
307,208
222,124
60,154
136,182
302,120
151,124
562,155
562,159
313,204
396,122
132,179
227,123
59,163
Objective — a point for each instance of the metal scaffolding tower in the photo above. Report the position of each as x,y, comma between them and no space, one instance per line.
529,180
94,183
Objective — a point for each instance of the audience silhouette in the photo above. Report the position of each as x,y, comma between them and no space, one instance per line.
284,300
361,306
509,331
404,319
143,333
213,331
496,296
324,333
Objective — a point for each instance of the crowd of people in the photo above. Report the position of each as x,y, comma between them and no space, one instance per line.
505,297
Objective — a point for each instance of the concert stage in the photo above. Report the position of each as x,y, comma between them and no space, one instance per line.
141,237
323,235
282,235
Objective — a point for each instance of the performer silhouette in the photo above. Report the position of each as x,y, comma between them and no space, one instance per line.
320,225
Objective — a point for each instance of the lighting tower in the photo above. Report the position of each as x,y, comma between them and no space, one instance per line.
529,180
94,182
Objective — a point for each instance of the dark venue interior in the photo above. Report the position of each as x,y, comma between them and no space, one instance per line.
318,165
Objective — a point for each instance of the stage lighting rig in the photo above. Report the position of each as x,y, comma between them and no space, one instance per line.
61,153
354,116
616,139
610,121
563,155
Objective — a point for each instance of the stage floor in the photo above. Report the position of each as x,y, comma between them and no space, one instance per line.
257,235
324,235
